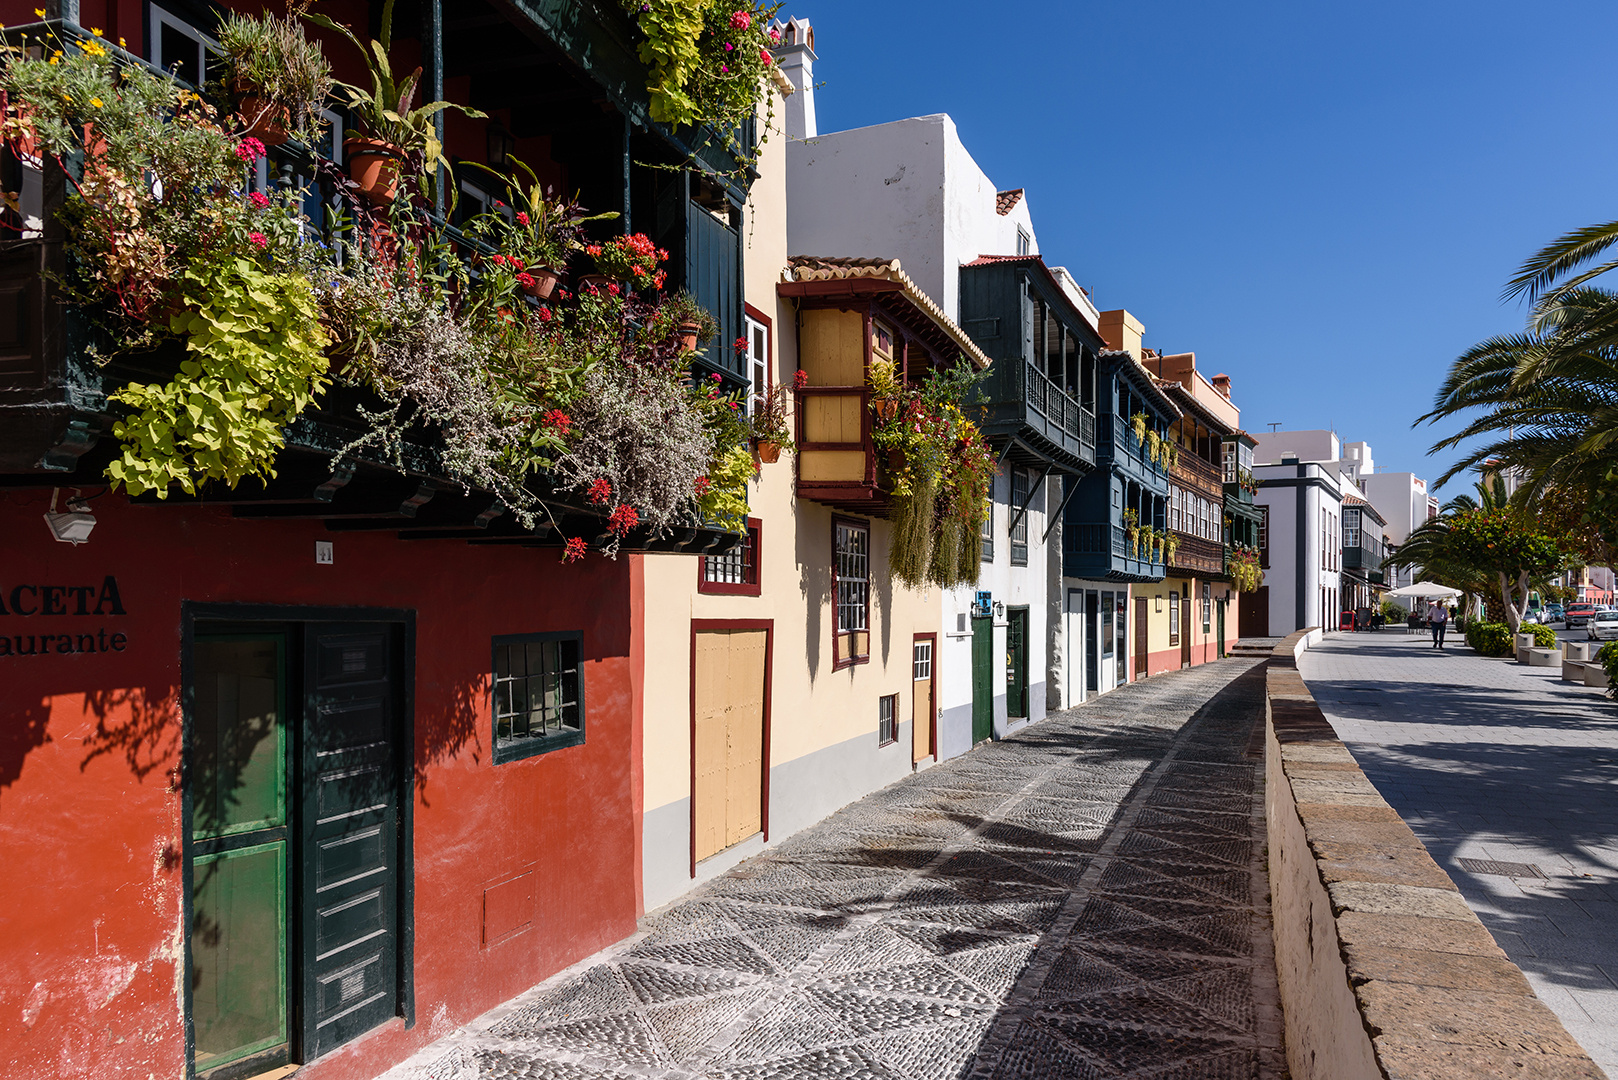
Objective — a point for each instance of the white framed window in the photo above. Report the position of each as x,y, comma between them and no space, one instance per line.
921,663
178,47
1025,243
1228,455
758,364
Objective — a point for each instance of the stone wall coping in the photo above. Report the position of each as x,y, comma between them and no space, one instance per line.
1435,997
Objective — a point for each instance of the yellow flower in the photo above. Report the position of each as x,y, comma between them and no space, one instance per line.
122,44
96,30
96,102
94,48
40,12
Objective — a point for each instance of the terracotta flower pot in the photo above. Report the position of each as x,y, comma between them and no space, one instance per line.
769,452
374,166
688,341
545,280
886,408
264,120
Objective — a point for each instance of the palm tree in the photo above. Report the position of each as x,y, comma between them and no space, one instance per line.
1427,550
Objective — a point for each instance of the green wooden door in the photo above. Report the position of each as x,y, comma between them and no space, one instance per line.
237,771
982,679
349,832
1017,662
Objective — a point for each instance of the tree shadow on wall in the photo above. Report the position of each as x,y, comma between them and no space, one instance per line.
23,731
140,724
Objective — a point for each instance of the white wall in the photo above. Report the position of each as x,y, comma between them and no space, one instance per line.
1307,445
1285,576
905,190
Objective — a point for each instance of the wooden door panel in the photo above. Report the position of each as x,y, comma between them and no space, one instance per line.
350,833
728,802
712,678
1141,640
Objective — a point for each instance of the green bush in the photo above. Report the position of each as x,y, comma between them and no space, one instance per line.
1393,612
1607,657
1544,636
1491,639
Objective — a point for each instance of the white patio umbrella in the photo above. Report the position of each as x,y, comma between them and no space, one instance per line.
1427,590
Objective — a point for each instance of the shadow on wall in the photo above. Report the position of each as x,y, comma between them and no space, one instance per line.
813,546
23,731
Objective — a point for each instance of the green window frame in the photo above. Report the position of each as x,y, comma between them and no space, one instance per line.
536,693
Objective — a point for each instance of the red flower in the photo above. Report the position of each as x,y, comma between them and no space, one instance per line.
764,55
544,314
800,379
638,270
622,519
525,280
257,239
741,344
559,420
498,204
716,378
593,250
612,288
259,199
499,260
250,150
600,491
741,20
518,263
522,218
574,549
702,486
659,277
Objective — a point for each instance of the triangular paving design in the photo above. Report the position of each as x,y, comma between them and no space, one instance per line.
1025,916
874,947
996,970
862,1013
789,945
946,942
1036,1052
620,1039
1122,1050
941,1051
596,992
687,1026
1078,971
654,984
844,1062
929,979
1141,1005
792,1026
721,954
1226,994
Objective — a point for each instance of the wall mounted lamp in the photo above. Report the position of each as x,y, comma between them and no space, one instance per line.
73,525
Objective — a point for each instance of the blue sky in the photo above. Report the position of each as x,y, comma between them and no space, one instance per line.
1322,200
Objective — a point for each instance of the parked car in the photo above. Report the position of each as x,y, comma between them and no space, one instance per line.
1554,613
1579,614
1603,626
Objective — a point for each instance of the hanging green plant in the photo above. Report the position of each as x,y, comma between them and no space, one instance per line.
255,361
1138,421
1153,442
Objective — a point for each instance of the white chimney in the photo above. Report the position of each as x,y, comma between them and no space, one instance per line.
795,57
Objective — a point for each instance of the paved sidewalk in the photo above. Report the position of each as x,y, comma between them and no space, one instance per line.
1491,760
1084,899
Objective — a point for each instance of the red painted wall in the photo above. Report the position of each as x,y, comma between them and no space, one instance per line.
90,901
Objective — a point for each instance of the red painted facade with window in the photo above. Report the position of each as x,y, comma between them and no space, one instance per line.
90,749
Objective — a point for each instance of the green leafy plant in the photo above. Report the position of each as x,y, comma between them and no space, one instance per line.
1393,612
630,258
724,500
1131,518
544,229
772,418
1607,657
255,361
670,30
1544,636
689,317
1138,422
270,66
384,111
706,60
1490,639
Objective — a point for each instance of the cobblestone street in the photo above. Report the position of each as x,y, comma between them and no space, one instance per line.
1083,899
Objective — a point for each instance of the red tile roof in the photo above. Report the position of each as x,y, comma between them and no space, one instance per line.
1005,201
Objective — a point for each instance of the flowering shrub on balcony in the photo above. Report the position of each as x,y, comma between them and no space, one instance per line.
586,400
707,60
939,471
1245,572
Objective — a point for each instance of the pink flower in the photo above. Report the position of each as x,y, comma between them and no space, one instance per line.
716,378
764,55
574,549
800,379
522,218
741,20
775,37
257,239
249,150
724,69
259,199
729,47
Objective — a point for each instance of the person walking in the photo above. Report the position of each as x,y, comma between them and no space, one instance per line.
1438,619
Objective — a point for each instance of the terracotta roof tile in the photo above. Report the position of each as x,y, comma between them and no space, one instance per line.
821,268
1006,201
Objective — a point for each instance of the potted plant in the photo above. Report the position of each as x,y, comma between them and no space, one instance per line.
1174,456
1131,525
772,425
389,131
1171,547
631,258
542,230
884,382
691,321
1139,423
278,78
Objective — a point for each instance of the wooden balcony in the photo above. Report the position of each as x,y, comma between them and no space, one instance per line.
1029,406
1104,552
1195,474
1199,555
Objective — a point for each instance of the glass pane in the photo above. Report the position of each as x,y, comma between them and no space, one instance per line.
502,661
238,953
238,740
537,651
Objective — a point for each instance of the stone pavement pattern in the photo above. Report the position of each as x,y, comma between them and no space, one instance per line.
1083,899
1490,760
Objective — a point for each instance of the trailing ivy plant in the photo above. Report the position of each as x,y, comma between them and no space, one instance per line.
254,361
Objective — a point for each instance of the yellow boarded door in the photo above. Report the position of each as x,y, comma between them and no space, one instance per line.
921,698
729,746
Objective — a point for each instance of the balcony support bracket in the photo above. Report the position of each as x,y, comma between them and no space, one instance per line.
1033,491
1067,497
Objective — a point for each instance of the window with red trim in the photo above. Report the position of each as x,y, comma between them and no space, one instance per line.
736,571
851,591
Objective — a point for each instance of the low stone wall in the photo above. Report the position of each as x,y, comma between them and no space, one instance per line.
1384,971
